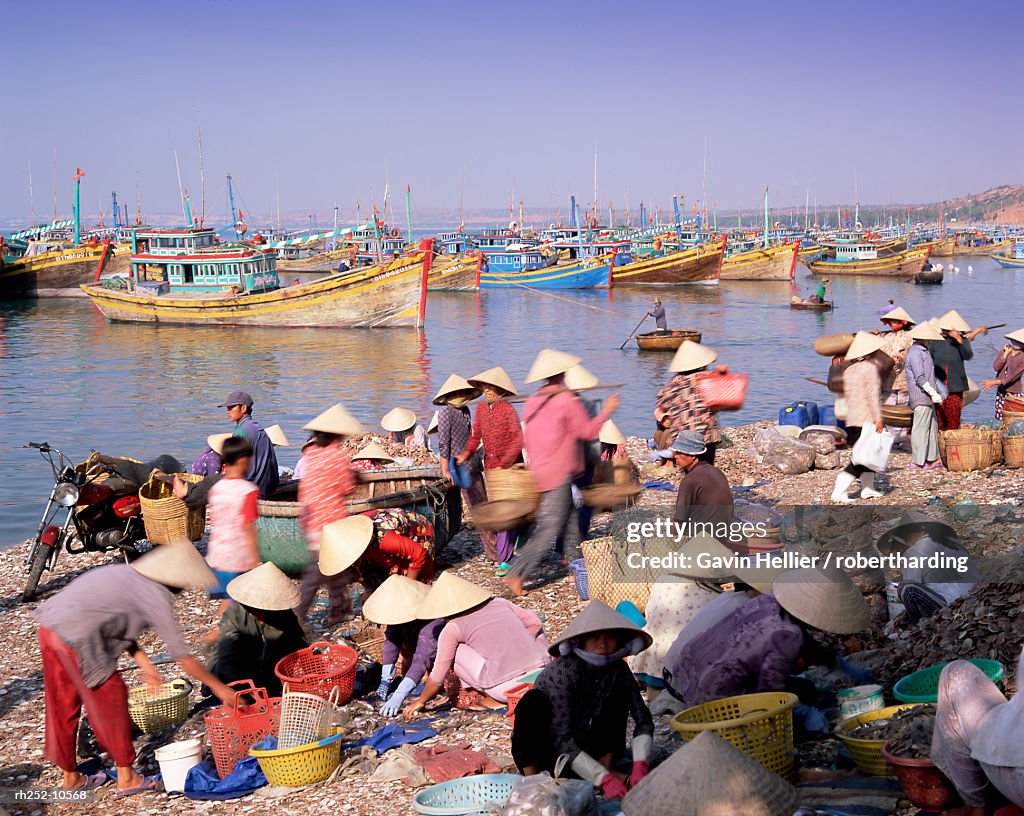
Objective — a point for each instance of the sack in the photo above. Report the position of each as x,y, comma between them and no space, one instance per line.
540,795
872,449
723,391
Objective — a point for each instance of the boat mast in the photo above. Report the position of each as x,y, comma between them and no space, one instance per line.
766,216
31,198
277,184
78,209
202,175
234,213
408,212
181,190
679,223
807,201
55,185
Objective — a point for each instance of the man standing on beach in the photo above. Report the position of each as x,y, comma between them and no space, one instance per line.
263,470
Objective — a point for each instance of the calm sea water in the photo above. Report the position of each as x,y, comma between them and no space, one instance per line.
70,378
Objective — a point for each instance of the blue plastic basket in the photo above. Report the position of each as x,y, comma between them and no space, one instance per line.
579,575
473,794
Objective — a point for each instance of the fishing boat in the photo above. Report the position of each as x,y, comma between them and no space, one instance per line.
666,340
183,277
810,305
753,263
1012,257
46,270
591,273
455,273
809,251
852,257
929,275
976,242
940,247
700,264
421,490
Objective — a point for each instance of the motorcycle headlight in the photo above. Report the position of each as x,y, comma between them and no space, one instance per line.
65,494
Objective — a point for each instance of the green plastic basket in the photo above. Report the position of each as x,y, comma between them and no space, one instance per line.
923,686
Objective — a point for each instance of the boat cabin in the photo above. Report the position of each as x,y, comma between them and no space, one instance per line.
491,240
452,243
517,260
856,251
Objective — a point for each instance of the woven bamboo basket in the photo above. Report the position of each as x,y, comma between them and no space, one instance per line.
970,448
511,483
607,575
1009,417
167,518
1013,451
370,641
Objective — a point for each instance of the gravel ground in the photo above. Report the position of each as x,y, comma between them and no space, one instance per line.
351,792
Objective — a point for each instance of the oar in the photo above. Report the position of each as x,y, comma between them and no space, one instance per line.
638,325
816,382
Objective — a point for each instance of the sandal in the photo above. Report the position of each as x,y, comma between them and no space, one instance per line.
502,569
149,783
92,781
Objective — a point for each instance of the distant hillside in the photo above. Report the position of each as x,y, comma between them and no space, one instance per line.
1004,204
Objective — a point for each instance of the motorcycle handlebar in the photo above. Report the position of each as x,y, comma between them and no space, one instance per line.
43,446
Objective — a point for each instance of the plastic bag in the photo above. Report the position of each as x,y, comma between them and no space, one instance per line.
827,461
872,449
540,795
790,456
822,441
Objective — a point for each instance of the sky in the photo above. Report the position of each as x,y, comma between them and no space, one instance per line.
321,103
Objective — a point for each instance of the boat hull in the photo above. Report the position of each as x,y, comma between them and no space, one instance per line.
386,296
774,263
591,274
323,262
942,248
1009,263
984,249
929,276
51,274
700,264
807,306
666,341
902,264
454,275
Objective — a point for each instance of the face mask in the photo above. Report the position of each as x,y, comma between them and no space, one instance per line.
459,401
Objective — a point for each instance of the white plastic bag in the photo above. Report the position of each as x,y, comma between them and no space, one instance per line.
872,449
540,795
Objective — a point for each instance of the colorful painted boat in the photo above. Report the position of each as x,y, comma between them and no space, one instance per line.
1012,257
593,273
420,490
863,258
46,271
700,264
667,340
456,273
940,248
324,263
773,263
809,251
979,244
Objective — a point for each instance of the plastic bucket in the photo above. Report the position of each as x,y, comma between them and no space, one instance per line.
175,760
859,700
892,600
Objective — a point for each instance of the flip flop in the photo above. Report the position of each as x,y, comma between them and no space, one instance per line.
93,781
149,783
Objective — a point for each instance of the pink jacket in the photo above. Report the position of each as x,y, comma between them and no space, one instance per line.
556,424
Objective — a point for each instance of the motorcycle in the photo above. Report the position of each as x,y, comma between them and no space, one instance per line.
99,514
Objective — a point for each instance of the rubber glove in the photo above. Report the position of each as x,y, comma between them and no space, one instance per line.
394,703
854,672
931,392
811,719
386,674
611,787
640,770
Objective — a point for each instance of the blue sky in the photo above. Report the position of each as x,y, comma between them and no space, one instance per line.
323,100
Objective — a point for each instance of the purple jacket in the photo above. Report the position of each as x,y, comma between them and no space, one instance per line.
421,634
206,464
920,371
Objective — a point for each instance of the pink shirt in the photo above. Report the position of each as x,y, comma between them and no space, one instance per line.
232,506
509,638
555,427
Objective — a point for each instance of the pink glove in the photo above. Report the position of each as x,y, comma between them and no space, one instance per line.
640,770
611,787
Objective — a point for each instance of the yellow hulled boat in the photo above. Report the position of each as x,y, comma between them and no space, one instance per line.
58,271
855,258
454,273
774,263
699,264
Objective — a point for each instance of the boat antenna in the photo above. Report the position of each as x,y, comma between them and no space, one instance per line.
277,182
202,174
462,195
408,211
595,175
31,198
181,194
138,198
55,184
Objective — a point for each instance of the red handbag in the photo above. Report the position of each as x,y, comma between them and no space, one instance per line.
723,391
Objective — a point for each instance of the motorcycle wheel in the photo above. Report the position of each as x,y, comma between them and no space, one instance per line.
40,558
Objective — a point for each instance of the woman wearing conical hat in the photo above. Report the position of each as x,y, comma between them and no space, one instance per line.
327,480
403,429
379,543
371,457
896,342
1008,382
679,406
949,355
496,426
580,704
923,396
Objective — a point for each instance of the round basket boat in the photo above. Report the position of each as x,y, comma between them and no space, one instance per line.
667,340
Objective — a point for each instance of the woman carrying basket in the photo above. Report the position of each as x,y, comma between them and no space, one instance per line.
1009,366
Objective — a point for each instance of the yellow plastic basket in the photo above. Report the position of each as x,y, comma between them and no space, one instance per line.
867,753
759,725
304,765
151,711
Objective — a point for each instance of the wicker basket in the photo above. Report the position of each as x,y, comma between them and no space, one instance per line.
302,765
867,753
167,518
511,483
319,669
605,560
1009,417
370,641
898,416
151,711
759,725
970,448
1013,451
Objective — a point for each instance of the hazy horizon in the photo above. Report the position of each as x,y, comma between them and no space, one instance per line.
325,103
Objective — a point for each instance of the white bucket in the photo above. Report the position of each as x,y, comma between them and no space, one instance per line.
892,600
175,760
859,700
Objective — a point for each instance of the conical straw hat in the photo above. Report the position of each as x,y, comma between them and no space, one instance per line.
610,434
717,568
451,595
453,385
176,565
598,617
899,313
709,777
823,598
277,437
760,577
395,601
692,356
892,540
1017,336
373,451
549,363
264,587
398,419
864,343
216,442
496,377
335,420
926,331
343,542
951,321
432,427
578,378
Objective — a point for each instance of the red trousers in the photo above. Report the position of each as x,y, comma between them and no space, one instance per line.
65,693
949,410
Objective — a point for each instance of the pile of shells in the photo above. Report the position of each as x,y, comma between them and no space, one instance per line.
903,727
419,456
914,739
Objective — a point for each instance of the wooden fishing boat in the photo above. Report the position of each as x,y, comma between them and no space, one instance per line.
774,263
324,263
811,305
592,273
668,340
457,273
940,248
970,244
1012,257
183,277
863,258
699,264
421,490
47,271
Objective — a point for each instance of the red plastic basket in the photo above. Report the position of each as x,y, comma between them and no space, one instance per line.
514,695
320,668
232,733
723,392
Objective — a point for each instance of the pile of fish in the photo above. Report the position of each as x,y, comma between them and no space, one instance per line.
908,732
419,457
